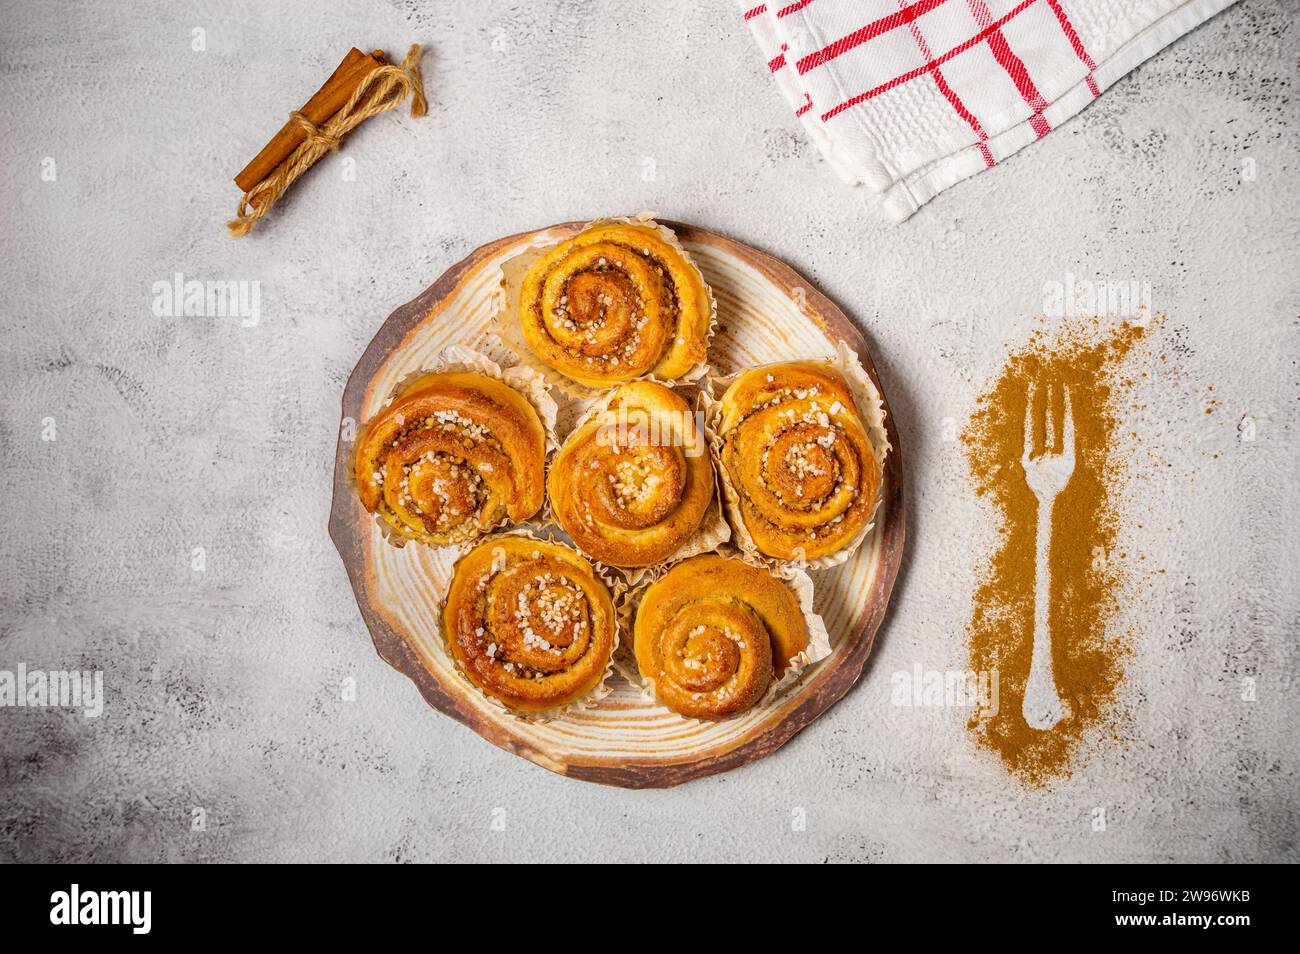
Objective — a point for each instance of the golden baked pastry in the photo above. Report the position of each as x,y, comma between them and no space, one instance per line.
613,303
529,622
798,459
453,456
711,635
633,482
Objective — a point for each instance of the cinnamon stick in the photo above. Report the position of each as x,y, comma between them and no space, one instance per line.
327,101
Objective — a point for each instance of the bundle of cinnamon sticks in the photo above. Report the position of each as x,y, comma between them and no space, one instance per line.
363,84
327,101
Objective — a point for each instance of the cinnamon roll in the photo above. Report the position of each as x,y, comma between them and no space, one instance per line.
529,622
713,633
633,481
801,473
615,302
455,455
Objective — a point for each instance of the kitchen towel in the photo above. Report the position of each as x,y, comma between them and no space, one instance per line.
911,96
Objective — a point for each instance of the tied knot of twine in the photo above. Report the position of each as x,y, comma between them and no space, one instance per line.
313,133
383,88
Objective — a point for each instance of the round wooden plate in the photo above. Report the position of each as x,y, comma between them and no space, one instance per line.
766,313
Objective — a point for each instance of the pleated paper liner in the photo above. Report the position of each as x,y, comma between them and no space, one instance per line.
766,312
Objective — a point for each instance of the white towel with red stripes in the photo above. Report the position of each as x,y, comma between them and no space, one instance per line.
911,96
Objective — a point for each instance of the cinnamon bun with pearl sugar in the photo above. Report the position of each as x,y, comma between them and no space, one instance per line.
618,301
801,473
633,482
714,632
529,622
454,456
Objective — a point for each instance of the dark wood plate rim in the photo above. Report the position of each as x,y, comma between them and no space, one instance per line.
828,684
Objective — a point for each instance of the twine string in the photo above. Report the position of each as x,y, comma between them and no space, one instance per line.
382,89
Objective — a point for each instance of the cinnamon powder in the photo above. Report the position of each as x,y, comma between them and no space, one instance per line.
1086,571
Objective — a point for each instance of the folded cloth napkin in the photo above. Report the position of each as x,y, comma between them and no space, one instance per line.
911,96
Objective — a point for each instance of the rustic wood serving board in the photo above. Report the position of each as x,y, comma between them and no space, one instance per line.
767,313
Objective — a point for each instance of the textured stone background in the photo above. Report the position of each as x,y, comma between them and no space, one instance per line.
172,434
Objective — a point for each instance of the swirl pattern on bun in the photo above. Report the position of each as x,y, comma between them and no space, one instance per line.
616,302
801,471
529,622
633,482
712,634
454,456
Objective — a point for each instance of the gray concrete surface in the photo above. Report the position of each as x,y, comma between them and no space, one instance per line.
172,533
